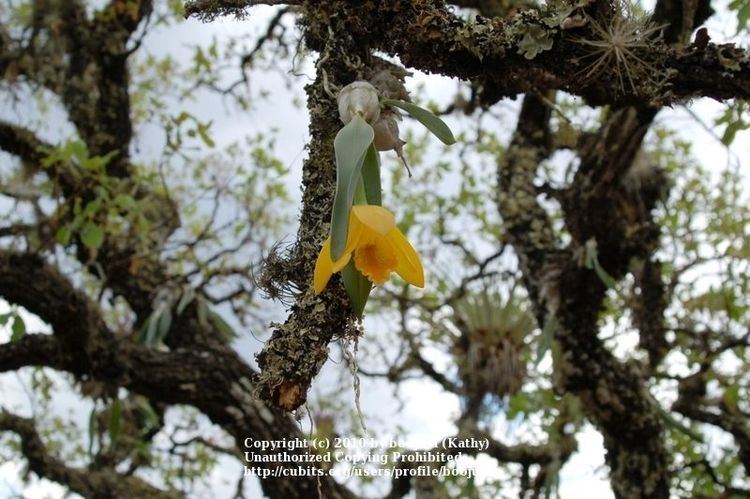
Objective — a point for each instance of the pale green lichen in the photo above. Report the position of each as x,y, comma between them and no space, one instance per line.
536,39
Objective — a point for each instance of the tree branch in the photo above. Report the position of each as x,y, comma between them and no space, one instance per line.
208,10
209,376
568,296
524,454
87,482
426,36
25,279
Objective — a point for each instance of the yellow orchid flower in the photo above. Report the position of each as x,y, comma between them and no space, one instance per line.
379,248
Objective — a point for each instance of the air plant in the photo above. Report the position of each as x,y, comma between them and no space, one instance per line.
490,349
616,42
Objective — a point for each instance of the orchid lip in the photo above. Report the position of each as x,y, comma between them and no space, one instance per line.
377,246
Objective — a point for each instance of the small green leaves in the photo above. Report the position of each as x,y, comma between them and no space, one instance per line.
350,145
735,119
63,234
187,124
187,297
429,120
77,151
357,286
159,323
17,328
742,7
92,235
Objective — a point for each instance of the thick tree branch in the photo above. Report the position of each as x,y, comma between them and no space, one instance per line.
26,280
569,297
209,376
207,10
425,35
428,37
87,482
215,381
297,350
34,350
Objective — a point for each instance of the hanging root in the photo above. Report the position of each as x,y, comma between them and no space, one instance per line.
351,361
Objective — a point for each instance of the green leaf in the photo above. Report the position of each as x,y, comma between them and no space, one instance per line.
221,325
115,414
156,326
76,149
148,331
350,145
429,120
92,207
671,422
202,310
734,119
183,116
165,322
371,176
732,396
592,262
203,129
92,236
607,279
4,318
92,431
63,234
357,286
186,299
18,329
97,163
743,13
125,202
149,414
545,339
